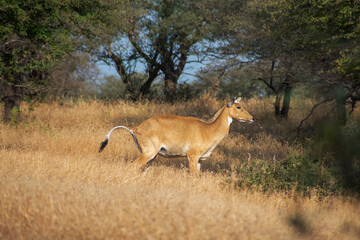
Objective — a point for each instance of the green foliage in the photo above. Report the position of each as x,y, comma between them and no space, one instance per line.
324,33
338,147
301,173
330,164
14,115
47,131
312,43
36,35
112,88
348,65
31,104
32,35
237,81
160,36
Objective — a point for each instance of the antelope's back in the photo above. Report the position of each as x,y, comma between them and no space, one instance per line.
171,128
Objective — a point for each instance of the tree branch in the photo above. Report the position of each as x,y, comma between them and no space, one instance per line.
120,67
216,84
311,112
132,39
268,84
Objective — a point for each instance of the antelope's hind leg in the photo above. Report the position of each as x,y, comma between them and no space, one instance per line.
149,165
146,157
198,166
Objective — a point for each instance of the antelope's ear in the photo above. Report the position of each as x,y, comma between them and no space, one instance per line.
231,102
237,101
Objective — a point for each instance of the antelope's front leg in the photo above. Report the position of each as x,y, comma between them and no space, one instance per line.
194,165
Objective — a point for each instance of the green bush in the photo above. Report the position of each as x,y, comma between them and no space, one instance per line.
330,164
338,147
301,173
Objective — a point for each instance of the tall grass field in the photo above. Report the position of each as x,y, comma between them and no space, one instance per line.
55,185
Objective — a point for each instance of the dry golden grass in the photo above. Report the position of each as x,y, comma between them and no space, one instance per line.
55,185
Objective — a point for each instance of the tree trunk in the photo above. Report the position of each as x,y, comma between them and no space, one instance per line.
279,93
12,101
212,90
145,88
170,88
123,73
173,72
340,98
277,104
286,102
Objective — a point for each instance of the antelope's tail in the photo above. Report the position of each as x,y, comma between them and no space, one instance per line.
105,142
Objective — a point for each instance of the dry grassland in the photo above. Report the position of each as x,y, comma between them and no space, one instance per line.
55,185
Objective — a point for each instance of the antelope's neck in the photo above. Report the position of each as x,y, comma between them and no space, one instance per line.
220,127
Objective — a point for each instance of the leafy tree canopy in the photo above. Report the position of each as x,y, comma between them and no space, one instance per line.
35,36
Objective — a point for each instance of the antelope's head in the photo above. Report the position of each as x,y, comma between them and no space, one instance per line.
238,112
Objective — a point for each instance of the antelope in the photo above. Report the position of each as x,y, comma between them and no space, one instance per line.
176,136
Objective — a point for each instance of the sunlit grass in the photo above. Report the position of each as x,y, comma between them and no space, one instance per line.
54,184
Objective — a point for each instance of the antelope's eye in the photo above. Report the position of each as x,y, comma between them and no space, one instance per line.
238,107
